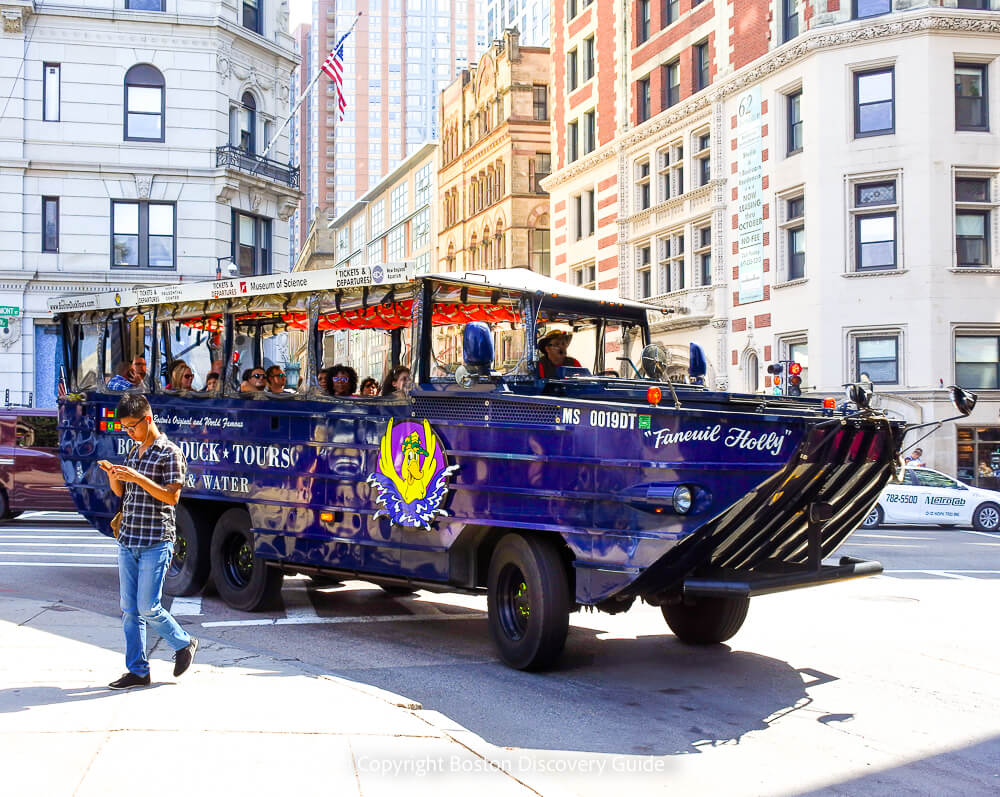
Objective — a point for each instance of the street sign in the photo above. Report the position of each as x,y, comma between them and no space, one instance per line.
6,309
3,323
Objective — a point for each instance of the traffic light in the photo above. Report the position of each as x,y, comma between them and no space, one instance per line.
776,370
793,385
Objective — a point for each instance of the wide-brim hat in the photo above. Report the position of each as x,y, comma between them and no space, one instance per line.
551,335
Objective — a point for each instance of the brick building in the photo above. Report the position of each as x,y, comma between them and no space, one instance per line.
495,150
740,127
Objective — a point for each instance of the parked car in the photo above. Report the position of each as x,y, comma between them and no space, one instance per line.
31,474
929,497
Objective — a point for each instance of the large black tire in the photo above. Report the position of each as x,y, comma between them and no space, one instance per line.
874,518
986,517
528,602
706,621
191,564
244,581
4,506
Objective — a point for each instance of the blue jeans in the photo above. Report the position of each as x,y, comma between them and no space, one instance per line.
141,572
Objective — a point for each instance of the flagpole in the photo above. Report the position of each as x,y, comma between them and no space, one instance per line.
305,94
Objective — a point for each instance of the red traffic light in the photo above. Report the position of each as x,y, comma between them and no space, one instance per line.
795,369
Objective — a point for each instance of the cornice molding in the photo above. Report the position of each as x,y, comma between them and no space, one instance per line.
850,33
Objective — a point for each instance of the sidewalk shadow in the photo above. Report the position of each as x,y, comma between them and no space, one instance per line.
22,698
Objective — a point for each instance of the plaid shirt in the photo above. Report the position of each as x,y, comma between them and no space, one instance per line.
145,520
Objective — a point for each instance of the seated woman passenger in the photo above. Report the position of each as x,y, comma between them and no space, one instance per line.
343,380
398,381
553,347
181,376
369,387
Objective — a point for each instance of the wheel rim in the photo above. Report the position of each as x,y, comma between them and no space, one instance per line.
180,555
989,517
238,558
513,602
872,518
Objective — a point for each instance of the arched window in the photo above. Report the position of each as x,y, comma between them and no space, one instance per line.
751,368
474,253
451,256
501,249
248,123
487,249
145,103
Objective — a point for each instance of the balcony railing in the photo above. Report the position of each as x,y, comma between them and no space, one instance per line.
235,158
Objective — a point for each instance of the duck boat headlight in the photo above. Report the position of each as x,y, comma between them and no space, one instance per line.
683,499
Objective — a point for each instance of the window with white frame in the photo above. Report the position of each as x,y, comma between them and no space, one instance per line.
584,210
794,129
973,216
573,141
670,262
397,203
422,186
670,171
875,356
588,58
584,275
875,223
589,131
377,218
703,253
572,77
51,87
357,233
644,271
343,242
421,228
396,244
792,229
874,102
374,251
642,185
796,349
703,157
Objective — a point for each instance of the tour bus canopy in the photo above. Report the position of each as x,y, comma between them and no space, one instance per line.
520,280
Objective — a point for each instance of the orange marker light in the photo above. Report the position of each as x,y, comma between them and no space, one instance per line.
829,404
326,516
776,380
653,395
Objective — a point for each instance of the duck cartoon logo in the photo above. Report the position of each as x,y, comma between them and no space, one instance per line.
411,475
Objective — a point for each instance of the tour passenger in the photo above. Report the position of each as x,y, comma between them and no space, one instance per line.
553,347
124,378
276,379
369,387
398,381
212,382
181,376
139,366
343,380
323,379
253,381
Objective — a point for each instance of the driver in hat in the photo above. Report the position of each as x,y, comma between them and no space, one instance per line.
553,345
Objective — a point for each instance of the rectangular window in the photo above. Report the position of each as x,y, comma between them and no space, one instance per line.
572,9
704,158
571,76
795,122
588,58
875,226
540,252
642,109
144,5
421,229
589,131
791,19
796,238
877,360
703,237
977,362
377,218
671,11
975,5
584,276
971,111
644,281
251,246
874,102
51,87
540,102
671,77
670,171
251,17
701,66
572,141
642,21
541,167
50,224
671,263
396,244
422,186
397,201
871,8
143,234
643,199
972,222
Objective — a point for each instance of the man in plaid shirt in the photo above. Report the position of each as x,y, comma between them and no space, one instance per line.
151,481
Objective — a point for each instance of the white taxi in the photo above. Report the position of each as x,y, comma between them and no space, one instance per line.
927,497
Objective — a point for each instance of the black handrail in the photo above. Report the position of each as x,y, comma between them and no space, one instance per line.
234,157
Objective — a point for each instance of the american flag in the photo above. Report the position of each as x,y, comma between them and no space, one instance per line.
334,68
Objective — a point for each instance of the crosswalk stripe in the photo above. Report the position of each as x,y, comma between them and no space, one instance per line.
59,553
61,544
55,564
386,618
186,607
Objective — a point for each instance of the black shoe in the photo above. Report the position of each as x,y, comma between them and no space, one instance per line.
130,680
184,657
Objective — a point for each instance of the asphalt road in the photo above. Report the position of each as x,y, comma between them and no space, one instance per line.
880,686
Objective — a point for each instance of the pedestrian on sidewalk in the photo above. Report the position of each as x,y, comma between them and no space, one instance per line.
151,481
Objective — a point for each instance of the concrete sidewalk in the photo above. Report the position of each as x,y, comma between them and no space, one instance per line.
235,723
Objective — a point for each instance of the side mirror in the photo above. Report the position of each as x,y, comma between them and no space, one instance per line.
859,394
655,359
463,377
964,400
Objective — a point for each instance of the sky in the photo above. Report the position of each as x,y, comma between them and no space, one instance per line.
299,11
